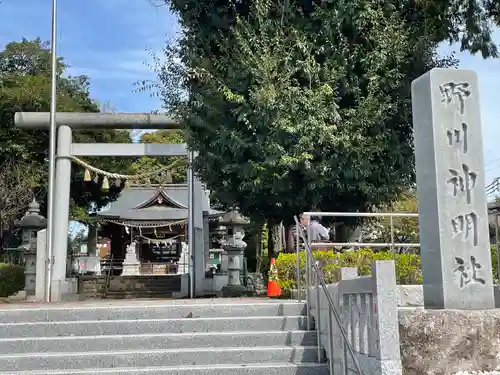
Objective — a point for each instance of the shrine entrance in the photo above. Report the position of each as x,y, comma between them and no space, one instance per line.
59,285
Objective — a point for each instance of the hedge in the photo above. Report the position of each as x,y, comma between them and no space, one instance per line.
11,279
408,269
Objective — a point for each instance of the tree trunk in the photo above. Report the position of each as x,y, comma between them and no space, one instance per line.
273,238
92,240
258,248
1,233
289,239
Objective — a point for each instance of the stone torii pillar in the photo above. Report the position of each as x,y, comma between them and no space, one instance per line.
66,149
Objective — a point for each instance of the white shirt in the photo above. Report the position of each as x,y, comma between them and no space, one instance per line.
318,231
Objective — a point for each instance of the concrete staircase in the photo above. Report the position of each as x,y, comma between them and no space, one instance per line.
179,337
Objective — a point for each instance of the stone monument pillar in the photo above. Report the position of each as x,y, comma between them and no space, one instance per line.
453,219
30,224
131,265
234,246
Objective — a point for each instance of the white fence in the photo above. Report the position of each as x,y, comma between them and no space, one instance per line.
368,310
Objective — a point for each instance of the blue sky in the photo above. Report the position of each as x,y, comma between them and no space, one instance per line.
108,41
488,72
104,39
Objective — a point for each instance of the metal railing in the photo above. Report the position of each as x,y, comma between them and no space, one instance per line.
321,245
332,311
391,215
312,265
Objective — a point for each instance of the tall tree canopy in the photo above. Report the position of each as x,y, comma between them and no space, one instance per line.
25,86
306,104
469,23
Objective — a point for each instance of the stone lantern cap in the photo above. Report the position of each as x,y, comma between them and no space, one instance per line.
32,218
233,219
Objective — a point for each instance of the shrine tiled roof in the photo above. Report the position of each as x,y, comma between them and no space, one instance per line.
154,203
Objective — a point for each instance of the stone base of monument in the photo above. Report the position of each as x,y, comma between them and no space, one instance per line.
131,266
64,290
234,291
131,269
449,341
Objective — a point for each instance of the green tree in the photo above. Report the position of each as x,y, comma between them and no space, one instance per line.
147,164
282,124
25,86
469,23
301,104
405,229
18,186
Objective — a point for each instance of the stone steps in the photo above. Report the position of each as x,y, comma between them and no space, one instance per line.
191,337
131,326
178,309
153,341
121,287
133,294
242,369
157,357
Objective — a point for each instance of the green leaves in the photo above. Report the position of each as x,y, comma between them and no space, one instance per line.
25,86
298,105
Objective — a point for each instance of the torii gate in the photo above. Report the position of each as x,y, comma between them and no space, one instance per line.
67,121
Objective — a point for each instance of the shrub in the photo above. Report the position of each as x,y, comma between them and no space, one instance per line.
11,279
494,262
407,265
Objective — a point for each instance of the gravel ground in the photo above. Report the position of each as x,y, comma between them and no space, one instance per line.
494,372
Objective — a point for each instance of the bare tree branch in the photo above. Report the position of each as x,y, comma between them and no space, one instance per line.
19,183
107,107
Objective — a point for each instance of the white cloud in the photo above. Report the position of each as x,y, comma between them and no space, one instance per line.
128,65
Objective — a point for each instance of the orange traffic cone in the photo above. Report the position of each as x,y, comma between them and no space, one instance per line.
273,288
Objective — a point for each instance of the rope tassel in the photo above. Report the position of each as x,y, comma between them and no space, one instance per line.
87,177
105,184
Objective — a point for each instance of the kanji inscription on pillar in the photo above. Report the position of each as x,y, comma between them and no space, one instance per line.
453,219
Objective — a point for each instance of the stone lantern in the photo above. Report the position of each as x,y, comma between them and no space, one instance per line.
30,224
234,246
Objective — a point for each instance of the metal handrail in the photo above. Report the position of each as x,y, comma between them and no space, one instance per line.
391,215
363,244
362,214
331,304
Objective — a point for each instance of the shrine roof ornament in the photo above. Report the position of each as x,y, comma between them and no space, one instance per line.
161,198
